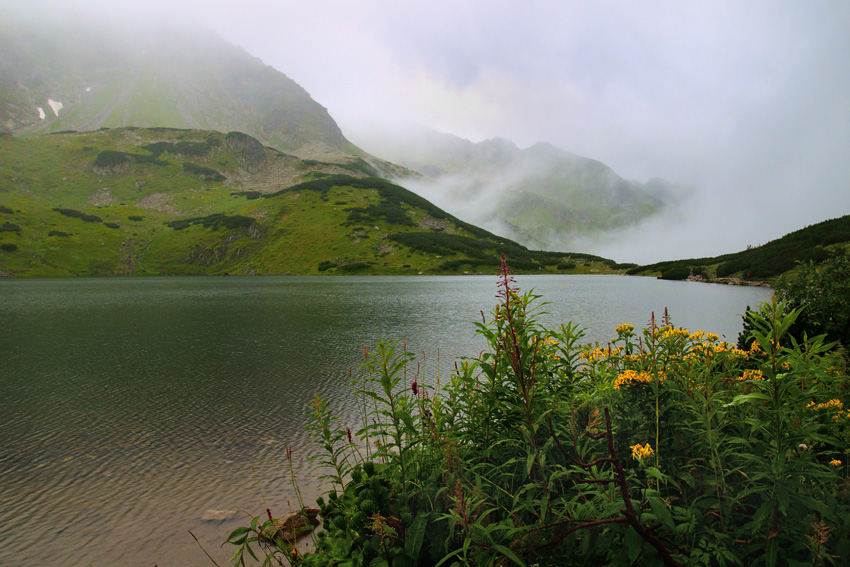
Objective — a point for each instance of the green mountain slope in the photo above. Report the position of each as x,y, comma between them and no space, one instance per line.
813,243
168,201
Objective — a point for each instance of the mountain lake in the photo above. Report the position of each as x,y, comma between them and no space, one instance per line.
136,410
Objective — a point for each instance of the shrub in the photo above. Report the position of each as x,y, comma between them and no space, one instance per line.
204,173
353,267
8,246
676,273
566,266
7,210
110,158
58,233
135,218
9,227
661,447
326,265
112,225
822,292
215,221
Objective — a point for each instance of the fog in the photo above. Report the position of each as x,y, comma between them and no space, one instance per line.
745,101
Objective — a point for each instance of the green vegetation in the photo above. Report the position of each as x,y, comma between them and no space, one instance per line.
204,173
216,221
822,293
676,272
111,158
149,216
661,447
810,244
185,148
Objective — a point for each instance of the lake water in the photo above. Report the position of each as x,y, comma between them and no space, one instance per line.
130,407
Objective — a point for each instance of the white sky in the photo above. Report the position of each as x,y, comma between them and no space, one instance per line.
749,101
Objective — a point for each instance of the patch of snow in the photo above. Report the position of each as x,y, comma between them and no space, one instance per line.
41,113
55,105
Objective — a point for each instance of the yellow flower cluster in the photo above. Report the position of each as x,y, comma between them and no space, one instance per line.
752,375
669,332
640,452
601,353
831,404
625,329
632,377
835,463
755,347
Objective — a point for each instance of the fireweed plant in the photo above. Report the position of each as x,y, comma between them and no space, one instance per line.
662,447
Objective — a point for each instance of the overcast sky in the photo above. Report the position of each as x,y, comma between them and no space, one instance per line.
749,101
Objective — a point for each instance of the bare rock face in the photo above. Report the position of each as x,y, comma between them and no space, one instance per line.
293,526
249,152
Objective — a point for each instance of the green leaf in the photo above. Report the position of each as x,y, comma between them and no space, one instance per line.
633,543
771,553
662,513
415,536
745,398
529,462
509,554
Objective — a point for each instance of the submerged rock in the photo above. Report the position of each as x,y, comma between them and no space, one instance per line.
218,515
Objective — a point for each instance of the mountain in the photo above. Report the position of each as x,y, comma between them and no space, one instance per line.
161,201
814,243
59,78
542,196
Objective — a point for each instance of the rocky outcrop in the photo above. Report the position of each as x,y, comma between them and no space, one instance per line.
249,152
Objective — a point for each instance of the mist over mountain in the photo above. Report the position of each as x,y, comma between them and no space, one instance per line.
80,77
542,196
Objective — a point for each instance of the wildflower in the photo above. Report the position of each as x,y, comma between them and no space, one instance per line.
755,375
835,463
632,377
640,452
415,388
755,347
831,404
625,329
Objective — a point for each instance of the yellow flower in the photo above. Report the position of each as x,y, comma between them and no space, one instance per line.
752,375
625,329
835,463
631,377
755,347
640,452
834,403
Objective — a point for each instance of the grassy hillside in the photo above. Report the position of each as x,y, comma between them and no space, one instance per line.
815,242
168,201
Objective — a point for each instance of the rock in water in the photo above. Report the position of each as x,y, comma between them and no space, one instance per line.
218,515
293,526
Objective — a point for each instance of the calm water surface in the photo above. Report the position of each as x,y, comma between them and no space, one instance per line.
130,407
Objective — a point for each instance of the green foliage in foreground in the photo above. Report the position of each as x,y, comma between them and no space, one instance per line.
822,291
663,447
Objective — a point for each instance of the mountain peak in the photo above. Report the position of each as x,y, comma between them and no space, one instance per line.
166,76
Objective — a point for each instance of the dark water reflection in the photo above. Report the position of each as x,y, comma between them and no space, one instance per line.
129,407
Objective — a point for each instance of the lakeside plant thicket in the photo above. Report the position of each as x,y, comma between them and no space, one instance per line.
663,447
